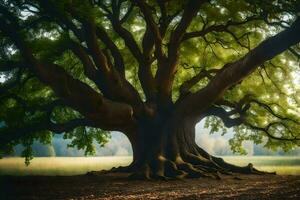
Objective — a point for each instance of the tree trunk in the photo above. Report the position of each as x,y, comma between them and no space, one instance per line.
166,148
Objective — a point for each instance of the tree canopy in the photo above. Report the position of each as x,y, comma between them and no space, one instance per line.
85,67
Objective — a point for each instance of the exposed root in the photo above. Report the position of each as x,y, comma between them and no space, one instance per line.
121,169
141,174
193,172
191,166
172,170
249,169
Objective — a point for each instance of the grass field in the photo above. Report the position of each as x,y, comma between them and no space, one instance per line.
58,166
285,165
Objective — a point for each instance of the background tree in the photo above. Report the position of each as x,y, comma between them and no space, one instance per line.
152,70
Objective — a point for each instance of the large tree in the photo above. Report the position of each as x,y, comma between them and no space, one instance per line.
151,69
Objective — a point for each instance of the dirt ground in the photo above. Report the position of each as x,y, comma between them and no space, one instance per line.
107,186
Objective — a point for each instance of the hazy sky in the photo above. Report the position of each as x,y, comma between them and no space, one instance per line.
119,145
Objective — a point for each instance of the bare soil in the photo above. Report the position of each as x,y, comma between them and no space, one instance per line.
117,186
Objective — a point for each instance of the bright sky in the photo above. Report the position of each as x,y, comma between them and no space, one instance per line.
2,78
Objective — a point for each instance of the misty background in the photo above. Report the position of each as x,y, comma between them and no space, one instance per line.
119,145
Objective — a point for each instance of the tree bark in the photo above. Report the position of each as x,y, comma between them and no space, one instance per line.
165,147
162,133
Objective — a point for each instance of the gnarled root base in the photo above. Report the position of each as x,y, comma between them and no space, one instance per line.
187,166
177,170
173,154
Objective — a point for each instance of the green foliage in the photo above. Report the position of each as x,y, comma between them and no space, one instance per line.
83,138
275,84
215,125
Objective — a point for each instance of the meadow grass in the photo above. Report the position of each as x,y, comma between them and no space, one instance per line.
66,166
60,166
284,165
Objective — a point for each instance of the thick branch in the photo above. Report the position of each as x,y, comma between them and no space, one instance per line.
119,63
143,59
89,69
127,37
233,73
144,71
187,85
167,67
109,79
189,13
100,60
8,135
225,116
78,95
155,31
